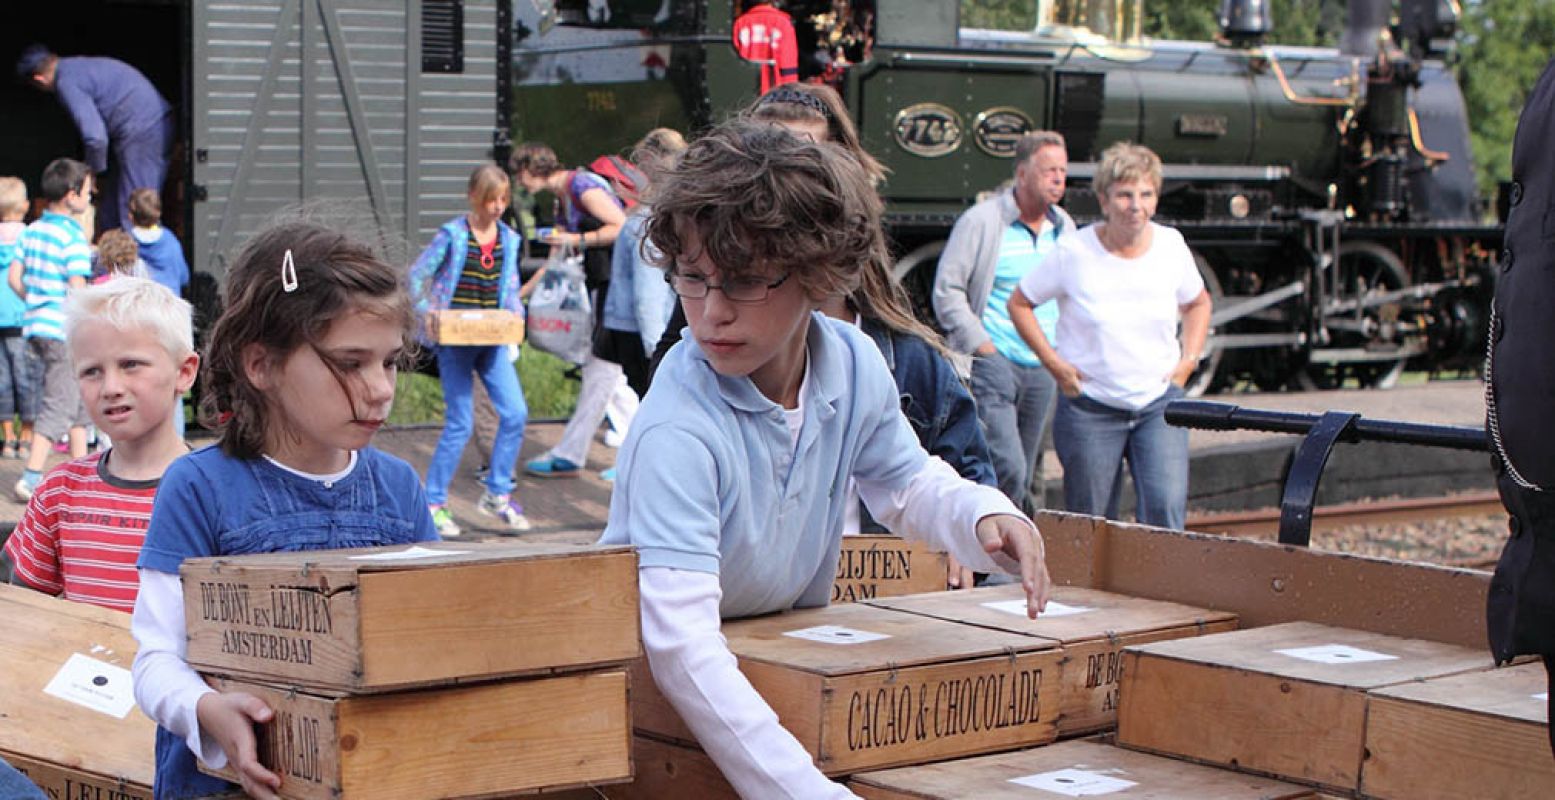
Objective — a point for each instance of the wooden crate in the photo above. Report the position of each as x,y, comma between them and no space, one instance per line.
670,770
1071,769
1482,735
1093,627
873,566
391,618
72,736
471,326
1235,699
489,739
918,694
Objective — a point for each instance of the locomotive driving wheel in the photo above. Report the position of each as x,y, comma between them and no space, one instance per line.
1365,269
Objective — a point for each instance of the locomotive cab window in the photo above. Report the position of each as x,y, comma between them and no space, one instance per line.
830,35
610,13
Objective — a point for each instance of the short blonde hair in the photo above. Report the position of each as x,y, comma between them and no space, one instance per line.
1126,162
130,303
13,196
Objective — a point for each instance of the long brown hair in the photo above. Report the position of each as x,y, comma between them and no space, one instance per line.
334,275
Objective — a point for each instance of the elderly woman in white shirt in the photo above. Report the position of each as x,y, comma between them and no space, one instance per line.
1123,286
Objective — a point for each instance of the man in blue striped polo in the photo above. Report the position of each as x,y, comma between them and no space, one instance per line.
53,257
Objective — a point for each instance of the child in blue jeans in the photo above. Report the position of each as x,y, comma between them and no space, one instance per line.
472,262
18,367
300,373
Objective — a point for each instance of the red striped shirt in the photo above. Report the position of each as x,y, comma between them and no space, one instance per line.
81,534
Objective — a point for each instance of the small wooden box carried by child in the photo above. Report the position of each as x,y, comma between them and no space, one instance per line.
490,739
1287,700
1093,627
1077,768
864,687
887,566
1482,735
390,618
68,719
475,326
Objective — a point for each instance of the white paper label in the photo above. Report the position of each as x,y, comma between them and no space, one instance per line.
837,634
1336,654
1075,783
1054,609
411,554
1543,697
98,685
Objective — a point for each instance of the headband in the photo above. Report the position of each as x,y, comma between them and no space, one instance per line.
788,94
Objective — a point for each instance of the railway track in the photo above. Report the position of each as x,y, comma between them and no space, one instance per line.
1265,523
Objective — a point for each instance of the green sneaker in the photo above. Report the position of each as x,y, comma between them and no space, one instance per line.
446,527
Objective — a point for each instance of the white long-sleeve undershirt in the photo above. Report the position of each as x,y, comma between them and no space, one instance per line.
166,687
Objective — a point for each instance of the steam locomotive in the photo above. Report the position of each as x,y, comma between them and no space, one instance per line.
1328,194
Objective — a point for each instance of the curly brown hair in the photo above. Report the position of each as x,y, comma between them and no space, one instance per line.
335,275
117,252
758,196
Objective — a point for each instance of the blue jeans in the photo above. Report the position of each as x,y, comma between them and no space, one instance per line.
15,786
458,366
1092,440
21,379
1013,403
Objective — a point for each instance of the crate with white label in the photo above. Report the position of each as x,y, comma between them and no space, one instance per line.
872,565
864,687
493,739
1484,735
382,619
68,718
1093,626
1077,768
1286,700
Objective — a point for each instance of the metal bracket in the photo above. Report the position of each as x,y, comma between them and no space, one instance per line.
1306,468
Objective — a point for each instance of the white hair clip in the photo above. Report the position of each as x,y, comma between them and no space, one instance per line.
288,273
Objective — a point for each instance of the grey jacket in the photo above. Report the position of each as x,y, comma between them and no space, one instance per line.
966,268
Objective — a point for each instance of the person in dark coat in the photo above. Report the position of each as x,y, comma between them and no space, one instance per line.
116,110
1520,393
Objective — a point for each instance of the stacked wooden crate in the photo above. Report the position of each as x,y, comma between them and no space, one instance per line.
863,687
1093,627
1077,768
431,671
68,719
1293,701
875,565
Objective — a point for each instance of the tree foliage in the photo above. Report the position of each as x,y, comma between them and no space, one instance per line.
1505,45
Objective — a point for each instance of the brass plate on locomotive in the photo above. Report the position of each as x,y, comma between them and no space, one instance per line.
930,130
998,129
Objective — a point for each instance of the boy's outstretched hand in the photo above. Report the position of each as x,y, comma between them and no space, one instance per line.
1014,542
229,717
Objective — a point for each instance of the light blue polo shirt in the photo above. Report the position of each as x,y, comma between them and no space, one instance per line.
709,480
1021,250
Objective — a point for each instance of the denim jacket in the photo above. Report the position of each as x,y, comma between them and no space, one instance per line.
937,404
435,274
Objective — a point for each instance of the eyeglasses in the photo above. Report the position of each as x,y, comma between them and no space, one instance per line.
738,290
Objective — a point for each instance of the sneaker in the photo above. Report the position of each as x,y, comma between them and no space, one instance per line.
13,449
446,527
552,467
505,508
23,490
608,476
614,438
